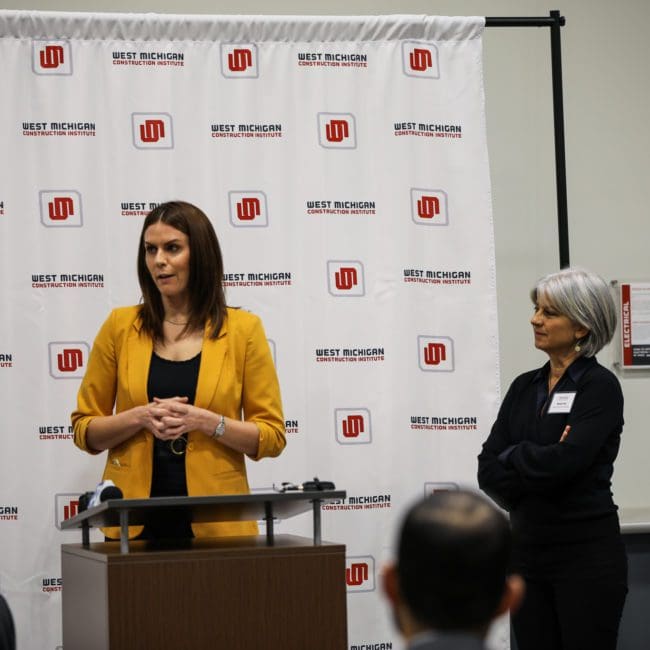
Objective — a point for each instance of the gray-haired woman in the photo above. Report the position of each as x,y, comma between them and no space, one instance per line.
549,461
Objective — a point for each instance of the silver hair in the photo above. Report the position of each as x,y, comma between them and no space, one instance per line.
586,299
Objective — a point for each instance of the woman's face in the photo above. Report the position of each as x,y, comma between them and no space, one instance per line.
555,333
167,255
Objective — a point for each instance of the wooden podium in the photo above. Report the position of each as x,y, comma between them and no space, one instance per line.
231,593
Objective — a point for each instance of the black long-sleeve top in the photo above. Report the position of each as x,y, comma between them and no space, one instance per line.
556,491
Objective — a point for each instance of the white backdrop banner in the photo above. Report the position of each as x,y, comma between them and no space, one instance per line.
343,162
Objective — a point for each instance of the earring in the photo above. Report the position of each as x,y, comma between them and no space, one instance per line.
577,347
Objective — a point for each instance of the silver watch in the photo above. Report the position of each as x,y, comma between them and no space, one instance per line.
221,428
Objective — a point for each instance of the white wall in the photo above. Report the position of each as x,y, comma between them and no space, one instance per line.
606,91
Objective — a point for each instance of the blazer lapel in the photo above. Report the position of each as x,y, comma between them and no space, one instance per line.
139,349
213,355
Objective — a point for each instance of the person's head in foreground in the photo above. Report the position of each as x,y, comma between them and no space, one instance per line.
451,574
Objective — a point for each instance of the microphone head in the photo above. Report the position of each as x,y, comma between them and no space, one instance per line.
84,500
111,492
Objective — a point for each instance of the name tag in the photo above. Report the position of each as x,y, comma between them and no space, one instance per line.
561,403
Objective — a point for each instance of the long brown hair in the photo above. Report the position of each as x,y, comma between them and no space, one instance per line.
205,284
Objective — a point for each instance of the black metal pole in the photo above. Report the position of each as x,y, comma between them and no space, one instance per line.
555,21
560,159
523,21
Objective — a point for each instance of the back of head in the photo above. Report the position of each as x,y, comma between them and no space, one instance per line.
453,555
7,630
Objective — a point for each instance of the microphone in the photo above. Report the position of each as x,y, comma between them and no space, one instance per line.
307,486
104,491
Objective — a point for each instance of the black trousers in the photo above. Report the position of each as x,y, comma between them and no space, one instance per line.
574,595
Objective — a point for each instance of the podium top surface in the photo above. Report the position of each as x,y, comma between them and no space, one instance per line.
226,507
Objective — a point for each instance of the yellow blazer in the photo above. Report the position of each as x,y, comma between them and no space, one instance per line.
236,377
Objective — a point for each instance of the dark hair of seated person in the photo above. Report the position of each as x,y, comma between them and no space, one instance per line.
452,564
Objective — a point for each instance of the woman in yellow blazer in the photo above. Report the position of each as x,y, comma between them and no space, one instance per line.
180,388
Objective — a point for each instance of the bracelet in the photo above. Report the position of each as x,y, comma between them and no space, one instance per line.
221,428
